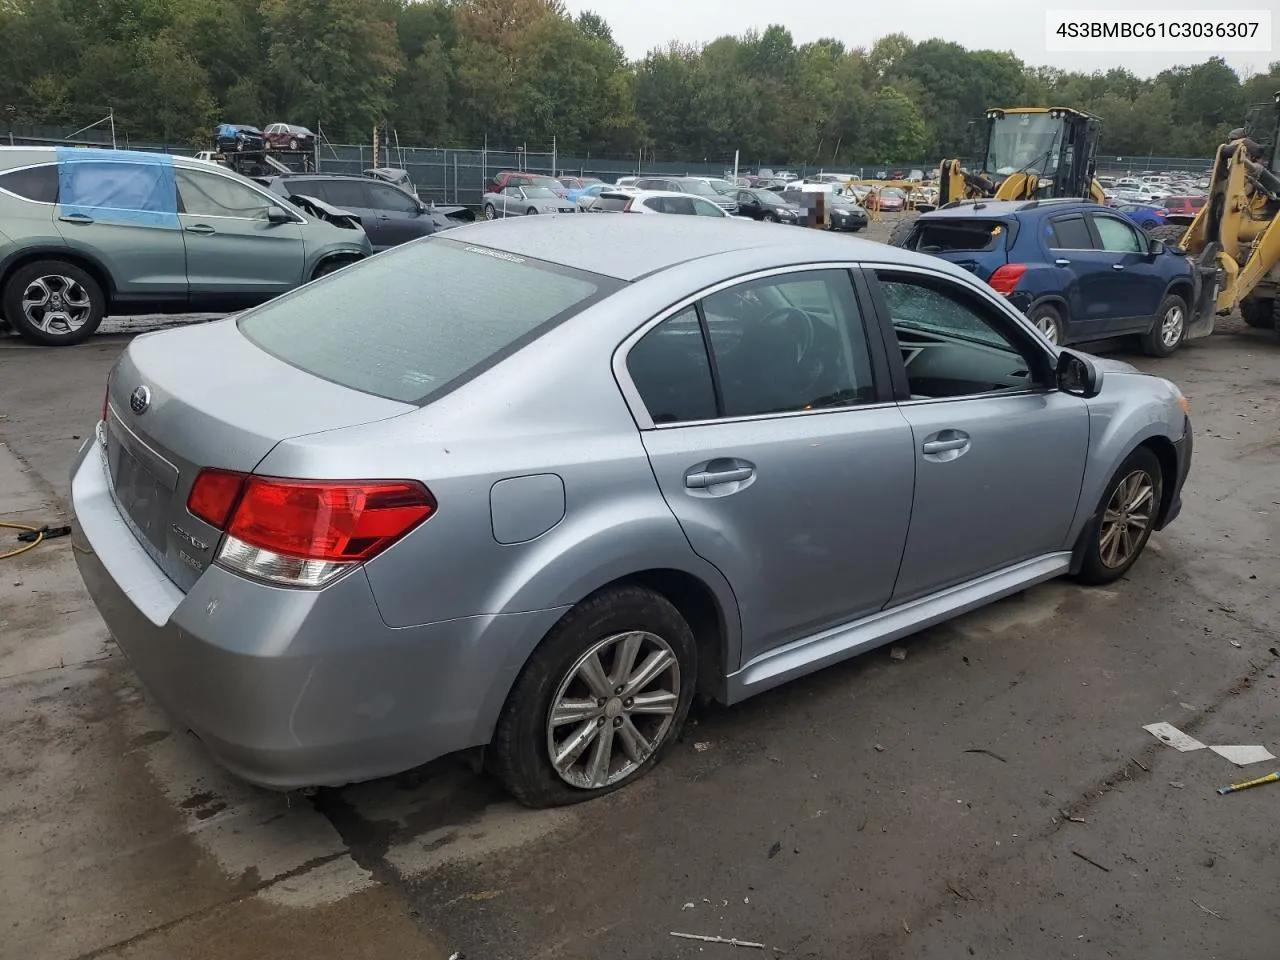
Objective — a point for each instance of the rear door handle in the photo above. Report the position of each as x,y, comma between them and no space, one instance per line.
942,446
384,216
1062,263
709,478
1117,266
201,228
75,218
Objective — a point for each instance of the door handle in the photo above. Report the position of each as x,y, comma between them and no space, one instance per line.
201,228
76,218
1117,266
1062,263
709,478
942,446
383,216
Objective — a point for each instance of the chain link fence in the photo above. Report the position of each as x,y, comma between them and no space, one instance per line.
458,176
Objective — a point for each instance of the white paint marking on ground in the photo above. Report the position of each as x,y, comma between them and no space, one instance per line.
1168,733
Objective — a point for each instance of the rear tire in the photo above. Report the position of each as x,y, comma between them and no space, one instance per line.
531,212
1258,313
489,212
1169,329
520,754
332,266
54,303
1049,321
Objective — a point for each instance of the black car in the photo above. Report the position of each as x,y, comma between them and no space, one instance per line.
390,216
843,212
238,138
768,206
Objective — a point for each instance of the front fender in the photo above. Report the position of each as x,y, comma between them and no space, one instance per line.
1132,409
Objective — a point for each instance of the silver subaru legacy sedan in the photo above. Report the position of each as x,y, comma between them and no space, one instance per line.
528,485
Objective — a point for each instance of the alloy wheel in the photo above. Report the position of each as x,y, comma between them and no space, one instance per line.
1171,327
1126,519
1049,327
56,304
613,709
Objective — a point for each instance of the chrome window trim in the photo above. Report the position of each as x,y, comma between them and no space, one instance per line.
632,397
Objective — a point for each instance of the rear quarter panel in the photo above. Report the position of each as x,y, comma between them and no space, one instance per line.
552,408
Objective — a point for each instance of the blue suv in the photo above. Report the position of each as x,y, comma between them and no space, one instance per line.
1079,270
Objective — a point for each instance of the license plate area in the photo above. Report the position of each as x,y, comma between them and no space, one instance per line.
144,498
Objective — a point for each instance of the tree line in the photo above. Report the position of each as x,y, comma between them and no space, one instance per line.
455,72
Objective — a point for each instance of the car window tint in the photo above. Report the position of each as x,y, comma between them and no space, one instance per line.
611,203
670,369
1117,236
211,195
432,313
33,183
1070,233
680,205
346,193
789,342
705,208
952,344
657,204
389,198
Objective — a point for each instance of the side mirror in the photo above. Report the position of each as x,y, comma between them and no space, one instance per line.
278,215
1078,375
1156,247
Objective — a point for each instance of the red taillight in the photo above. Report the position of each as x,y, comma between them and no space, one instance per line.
1162,213
305,532
1005,280
340,522
214,495
627,207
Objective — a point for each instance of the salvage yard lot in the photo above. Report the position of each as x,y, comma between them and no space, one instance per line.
877,809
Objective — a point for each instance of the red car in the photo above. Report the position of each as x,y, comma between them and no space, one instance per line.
888,199
289,136
522,178
1183,209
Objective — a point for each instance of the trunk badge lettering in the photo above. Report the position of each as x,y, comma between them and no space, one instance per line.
140,400
198,544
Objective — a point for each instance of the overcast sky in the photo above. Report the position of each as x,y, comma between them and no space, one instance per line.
641,25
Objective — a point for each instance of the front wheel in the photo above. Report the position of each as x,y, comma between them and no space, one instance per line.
54,303
293,144
1122,525
1258,313
1168,330
769,217
532,211
603,697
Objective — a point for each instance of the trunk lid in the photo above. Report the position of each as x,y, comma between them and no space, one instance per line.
184,400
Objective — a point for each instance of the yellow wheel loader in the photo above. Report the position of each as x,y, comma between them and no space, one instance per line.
1235,238
1030,153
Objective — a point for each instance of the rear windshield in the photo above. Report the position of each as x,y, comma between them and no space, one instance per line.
943,236
418,320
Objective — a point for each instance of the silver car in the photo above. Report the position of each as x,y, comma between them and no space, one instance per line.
575,469
523,201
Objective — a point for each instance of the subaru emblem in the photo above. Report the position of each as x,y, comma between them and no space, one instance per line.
140,400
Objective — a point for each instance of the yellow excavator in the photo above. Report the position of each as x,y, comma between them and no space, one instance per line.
1235,238
1030,153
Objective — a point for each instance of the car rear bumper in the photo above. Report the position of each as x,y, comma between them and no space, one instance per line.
293,688
1182,450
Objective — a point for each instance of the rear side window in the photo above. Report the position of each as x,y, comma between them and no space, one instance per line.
33,183
345,193
420,319
670,368
1070,233
942,236
611,203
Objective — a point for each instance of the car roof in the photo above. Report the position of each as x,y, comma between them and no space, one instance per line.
629,248
1004,209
